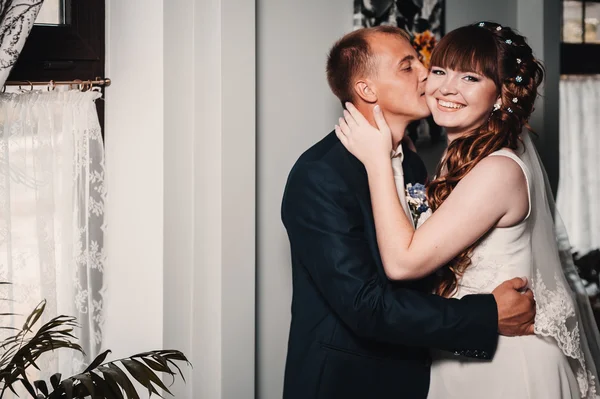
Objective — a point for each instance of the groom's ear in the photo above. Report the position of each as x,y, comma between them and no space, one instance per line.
364,90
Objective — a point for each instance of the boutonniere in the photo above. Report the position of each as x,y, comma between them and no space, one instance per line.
417,203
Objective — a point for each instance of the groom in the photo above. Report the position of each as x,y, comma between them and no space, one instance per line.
354,334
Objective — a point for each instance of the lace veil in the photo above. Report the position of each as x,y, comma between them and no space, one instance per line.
563,309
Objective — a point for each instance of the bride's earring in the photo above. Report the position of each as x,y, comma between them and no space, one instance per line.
496,108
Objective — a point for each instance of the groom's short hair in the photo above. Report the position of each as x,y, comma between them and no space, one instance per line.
350,57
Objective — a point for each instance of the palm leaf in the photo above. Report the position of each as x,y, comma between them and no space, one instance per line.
22,350
109,380
100,380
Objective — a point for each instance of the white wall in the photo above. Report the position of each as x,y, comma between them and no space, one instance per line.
134,167
464,12
180,143
179,132
295,109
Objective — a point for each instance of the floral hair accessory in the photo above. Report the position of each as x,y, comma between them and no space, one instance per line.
518,61
519,78
499,28
481,24
510,110
496,107
509,41
515,100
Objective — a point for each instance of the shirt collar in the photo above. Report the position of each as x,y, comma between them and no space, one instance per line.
398,153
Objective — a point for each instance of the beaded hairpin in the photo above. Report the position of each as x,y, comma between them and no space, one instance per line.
518,79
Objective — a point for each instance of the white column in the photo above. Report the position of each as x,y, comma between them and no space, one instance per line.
134,175
210,193
180,134
179,155
238,246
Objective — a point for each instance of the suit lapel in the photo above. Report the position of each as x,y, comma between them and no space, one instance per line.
360,180
360,185
414,168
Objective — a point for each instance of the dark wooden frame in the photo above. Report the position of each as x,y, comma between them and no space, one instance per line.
74,50
580,58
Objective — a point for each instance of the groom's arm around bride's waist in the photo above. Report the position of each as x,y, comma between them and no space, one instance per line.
326,229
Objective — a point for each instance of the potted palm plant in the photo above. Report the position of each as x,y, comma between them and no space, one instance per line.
100,380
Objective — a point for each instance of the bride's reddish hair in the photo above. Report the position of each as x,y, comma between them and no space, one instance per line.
503,56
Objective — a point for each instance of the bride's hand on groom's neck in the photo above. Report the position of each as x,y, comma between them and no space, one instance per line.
371,145
516,307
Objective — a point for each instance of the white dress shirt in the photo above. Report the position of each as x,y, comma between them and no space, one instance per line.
397,157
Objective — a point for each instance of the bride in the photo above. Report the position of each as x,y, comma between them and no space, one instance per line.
493,218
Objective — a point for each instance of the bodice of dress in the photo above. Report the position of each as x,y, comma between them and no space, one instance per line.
502,254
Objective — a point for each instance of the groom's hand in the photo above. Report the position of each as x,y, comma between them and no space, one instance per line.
516,307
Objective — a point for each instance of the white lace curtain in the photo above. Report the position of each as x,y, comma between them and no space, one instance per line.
16,20
52,206
578,197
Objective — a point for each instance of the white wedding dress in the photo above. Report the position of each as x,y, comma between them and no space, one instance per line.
531,367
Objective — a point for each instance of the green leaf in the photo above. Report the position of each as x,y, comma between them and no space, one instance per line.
10,386
154,365
28,386
177,367
100,381
97,361
35,315
140,374
86,380
150,374
124,382
55,380
67,386
111,380
102,388
41,386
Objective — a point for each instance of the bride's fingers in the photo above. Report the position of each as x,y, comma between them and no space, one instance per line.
358,117
350,119
380,120
341,136
344,127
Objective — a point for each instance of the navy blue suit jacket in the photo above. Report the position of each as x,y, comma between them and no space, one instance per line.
354,334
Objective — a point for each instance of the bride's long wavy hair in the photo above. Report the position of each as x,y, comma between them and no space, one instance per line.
503,56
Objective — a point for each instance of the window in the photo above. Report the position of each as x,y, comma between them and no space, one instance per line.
52,13
580,47
66,43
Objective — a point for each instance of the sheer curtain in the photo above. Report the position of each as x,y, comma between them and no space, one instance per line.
52,196
578,197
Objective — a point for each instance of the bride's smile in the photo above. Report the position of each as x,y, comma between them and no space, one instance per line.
448,106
